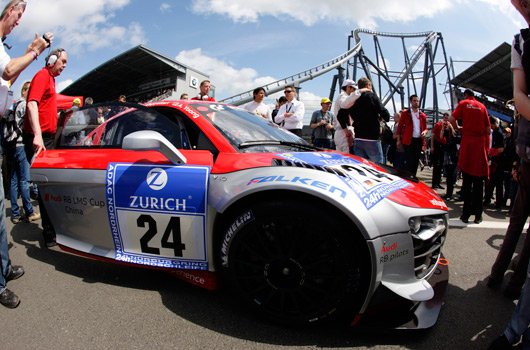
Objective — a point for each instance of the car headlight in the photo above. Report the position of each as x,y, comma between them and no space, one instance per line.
427,227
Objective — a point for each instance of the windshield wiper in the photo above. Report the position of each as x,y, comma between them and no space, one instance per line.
280,143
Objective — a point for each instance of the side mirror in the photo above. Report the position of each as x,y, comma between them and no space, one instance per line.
148,140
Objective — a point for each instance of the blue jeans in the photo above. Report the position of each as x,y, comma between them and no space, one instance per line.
518,325
4,248
370,150
323,143
385,147
19,174
399,160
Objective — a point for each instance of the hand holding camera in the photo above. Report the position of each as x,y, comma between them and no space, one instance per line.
48,37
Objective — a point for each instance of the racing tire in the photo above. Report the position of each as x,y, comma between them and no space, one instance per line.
294,263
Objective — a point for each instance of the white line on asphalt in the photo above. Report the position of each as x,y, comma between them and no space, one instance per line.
483,224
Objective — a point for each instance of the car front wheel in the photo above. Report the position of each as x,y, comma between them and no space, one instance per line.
293,262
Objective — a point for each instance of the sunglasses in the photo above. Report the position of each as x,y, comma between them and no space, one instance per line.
288,91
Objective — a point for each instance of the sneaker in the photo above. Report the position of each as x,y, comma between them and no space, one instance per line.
16,220
16,272
9,299
49,237
33,217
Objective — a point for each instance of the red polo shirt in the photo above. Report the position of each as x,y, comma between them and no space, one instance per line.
42,90
436,132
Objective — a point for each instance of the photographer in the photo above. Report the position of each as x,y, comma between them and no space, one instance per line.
10,69
321,123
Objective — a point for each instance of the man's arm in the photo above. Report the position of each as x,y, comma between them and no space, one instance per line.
399,130
349,100
17,65
432,138
299,110
314,123
522,102
383,112
33,114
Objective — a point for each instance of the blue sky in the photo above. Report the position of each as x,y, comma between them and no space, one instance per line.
242,44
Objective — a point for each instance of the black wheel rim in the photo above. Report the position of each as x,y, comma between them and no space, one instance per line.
294,270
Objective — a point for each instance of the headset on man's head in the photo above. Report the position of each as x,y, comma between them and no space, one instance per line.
53,57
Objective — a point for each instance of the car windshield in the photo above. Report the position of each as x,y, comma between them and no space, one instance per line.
249,132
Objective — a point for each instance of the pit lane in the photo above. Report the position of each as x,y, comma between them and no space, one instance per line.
70,302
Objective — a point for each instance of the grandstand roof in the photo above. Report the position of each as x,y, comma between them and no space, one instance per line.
490,75
124,74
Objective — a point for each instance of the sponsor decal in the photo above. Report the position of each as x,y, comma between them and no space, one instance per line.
236,226
192,112
300,180
369,184
436,202
50,197
74,204
218,108
390,253
388,249
157,214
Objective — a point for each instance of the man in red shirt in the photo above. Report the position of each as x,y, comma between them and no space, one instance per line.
203,95
473,159
411,132
40,123
441,133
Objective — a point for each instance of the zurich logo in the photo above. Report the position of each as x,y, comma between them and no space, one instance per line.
157,179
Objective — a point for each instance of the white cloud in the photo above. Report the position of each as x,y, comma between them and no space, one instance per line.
226,79
63,84
311,11
79,25
506,8
165,7
311,101
229,80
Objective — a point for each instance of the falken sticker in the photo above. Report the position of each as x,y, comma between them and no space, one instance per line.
157,214
369,184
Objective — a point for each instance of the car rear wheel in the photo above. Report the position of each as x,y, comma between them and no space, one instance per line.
293,262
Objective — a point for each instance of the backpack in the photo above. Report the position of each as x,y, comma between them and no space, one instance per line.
387,135
10,129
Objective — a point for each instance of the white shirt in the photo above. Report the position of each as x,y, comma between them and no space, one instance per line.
344,101
416,131
259,107
4,87
295,121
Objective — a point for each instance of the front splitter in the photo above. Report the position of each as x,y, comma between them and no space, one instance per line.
389,311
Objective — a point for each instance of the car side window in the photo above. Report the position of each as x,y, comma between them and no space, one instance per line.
193,138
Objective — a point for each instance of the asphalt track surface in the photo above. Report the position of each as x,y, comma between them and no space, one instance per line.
71,302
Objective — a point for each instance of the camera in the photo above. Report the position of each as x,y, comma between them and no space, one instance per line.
47,39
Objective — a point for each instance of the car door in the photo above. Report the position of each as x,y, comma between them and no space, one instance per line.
133,206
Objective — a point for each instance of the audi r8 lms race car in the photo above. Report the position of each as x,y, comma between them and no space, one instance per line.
221,197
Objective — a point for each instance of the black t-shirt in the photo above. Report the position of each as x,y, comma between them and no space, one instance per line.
365,114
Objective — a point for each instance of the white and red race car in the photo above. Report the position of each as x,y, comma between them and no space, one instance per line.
219,196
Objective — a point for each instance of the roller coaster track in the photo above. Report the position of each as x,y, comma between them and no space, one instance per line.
338,62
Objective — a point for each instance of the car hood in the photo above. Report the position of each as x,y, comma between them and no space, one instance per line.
411,193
